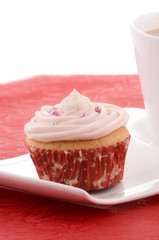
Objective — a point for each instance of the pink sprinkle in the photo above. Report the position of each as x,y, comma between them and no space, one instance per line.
98,109
54,112
83,115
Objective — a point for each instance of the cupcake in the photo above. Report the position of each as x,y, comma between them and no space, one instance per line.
79,143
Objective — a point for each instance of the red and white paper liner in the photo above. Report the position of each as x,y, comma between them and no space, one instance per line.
89,169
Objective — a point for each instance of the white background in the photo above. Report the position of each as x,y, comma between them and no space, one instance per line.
68,36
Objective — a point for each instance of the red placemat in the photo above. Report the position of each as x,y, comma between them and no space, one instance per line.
23,216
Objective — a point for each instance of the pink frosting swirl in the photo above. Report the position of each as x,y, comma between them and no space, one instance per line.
75,118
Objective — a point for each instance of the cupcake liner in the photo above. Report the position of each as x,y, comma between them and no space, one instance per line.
89,169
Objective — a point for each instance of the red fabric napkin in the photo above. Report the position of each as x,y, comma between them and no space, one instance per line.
19,100
23,216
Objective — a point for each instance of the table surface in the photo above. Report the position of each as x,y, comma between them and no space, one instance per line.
25,216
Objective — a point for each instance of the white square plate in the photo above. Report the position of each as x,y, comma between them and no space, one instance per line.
141,177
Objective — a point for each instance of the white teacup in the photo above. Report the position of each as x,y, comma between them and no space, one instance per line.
147,58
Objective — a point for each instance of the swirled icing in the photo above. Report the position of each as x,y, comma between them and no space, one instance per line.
76,118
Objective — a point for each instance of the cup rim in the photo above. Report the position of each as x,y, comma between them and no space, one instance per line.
132,25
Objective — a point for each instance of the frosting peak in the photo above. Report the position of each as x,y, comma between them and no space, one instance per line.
75,118
74,103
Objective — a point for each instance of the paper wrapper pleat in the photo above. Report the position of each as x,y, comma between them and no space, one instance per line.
89,169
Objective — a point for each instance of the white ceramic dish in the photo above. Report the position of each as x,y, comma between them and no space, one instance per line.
141,178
